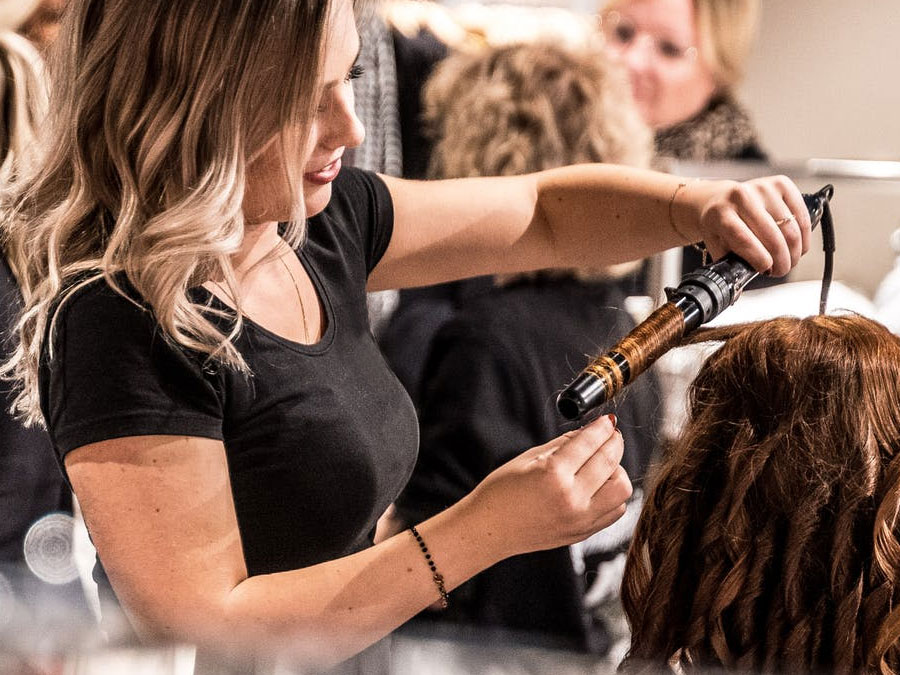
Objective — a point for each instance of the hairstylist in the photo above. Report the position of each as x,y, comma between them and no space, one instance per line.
211,386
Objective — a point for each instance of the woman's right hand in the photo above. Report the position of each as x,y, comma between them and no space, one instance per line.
555,494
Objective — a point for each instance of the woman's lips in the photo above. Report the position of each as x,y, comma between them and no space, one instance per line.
324,175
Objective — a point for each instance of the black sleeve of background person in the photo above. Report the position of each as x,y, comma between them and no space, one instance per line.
473,418
31,484
415,58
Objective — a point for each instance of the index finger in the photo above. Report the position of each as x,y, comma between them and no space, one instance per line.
581,446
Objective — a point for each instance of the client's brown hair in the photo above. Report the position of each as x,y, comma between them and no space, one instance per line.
769,540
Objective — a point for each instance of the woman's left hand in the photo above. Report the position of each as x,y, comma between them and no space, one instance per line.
764,220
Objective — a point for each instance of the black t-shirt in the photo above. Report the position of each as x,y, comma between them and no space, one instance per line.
319,441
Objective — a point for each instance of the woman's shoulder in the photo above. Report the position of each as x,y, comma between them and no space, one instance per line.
357,193
359,217
101,304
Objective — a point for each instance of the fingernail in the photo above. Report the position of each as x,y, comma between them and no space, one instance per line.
613,419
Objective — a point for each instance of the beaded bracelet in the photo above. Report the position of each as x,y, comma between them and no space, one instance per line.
435,575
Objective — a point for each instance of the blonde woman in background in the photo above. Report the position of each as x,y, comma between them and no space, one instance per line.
686,59
493,369
211,385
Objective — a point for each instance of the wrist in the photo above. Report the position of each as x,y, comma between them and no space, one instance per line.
462,541
688,201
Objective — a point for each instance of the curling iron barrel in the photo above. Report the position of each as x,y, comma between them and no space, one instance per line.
701,296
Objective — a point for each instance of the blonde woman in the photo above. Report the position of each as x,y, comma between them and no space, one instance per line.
686,59
211,386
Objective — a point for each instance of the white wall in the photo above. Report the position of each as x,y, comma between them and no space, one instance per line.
824,78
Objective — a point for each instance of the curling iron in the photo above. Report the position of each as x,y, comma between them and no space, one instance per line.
701,296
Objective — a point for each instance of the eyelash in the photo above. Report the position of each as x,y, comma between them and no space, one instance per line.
356,72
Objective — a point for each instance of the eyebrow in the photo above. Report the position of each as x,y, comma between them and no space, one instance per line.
355,61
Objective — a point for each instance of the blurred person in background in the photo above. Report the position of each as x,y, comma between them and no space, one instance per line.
33,494
769,538
389,105
493,368
685,60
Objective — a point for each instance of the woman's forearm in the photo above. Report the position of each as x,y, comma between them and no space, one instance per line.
600,214
326,613
165,528
589,215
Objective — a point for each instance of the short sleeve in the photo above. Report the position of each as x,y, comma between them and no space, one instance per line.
112,374
361,199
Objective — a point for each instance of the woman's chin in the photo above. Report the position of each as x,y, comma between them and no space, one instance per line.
316,198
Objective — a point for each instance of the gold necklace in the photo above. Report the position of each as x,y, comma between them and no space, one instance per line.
299,298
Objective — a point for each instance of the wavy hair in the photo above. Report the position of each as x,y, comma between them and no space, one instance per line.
157,109
770,540
522,108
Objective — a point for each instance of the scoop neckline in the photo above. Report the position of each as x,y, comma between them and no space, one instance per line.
325,342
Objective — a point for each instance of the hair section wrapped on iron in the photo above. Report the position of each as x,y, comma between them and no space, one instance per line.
769,538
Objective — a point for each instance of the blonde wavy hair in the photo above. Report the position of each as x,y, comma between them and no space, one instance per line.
527,107
156,110
23,101
726,30
523,108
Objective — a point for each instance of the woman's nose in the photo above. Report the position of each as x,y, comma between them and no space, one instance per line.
343,127
638,55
